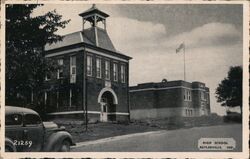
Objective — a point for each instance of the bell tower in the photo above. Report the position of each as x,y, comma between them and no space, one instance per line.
96,18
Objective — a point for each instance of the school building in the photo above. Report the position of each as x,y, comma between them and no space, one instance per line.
92,75
169,99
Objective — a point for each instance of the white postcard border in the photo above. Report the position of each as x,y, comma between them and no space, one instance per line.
244,154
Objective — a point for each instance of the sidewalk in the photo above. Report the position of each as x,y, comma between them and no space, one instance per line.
116,138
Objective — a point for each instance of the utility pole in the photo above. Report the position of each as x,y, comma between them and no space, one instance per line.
184,48
84,101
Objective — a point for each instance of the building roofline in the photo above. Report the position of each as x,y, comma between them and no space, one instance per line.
162,82
167,84
89,46
116,52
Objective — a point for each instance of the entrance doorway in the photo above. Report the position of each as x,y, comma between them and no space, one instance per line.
107,107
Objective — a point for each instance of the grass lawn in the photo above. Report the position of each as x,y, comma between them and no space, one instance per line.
102,130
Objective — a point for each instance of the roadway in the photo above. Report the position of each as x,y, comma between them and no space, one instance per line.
163,141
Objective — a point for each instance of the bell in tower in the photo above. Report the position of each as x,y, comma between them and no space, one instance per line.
97,20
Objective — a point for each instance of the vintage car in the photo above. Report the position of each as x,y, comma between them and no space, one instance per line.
25,132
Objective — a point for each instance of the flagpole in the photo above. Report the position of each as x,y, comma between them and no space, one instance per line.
184,61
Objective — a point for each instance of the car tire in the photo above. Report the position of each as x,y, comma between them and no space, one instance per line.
65,147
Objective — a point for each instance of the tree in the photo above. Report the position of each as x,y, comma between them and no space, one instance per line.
229,91
26,37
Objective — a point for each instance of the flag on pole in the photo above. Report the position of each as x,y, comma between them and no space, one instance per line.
182,45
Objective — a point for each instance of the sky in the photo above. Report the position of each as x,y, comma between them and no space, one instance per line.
150,33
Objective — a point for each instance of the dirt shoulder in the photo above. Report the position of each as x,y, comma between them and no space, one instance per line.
103,130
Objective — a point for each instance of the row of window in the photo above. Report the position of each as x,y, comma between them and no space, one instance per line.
62,98
188,97
107,69
90,69
72,69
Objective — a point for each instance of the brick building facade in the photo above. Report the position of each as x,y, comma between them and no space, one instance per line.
168,99
92,75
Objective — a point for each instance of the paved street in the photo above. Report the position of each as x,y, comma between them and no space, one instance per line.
166,140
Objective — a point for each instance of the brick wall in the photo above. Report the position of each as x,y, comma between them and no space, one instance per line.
93,86
168,99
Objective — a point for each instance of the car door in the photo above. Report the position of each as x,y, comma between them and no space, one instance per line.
14,129
33,133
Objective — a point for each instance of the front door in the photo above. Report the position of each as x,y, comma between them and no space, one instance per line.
104,112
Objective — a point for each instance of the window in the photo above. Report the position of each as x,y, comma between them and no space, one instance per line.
47,77
73,69
70,97
62,99
45,97
98,68
187,95
60,62
13,119
189,112
89,65
57,99
203,96
60,69
107,70
115,71
123,74
73,97
32,119
207,96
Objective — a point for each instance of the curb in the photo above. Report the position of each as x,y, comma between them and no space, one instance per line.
115,138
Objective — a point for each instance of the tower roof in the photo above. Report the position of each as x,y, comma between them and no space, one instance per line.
94,36
93,10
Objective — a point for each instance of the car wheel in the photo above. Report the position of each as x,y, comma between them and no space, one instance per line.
65,147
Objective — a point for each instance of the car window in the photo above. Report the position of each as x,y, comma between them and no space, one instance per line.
13,119
31,119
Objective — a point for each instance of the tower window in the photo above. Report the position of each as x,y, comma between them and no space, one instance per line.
98,68
72,69
123,76
107,70
60,69
115,71
89,65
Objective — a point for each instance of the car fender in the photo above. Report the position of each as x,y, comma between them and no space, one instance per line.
55,140
10,144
